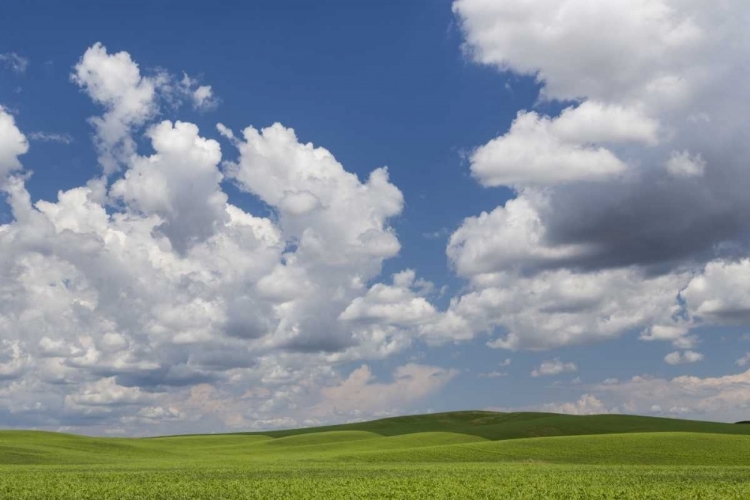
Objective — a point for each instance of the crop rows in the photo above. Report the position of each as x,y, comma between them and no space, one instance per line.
531,481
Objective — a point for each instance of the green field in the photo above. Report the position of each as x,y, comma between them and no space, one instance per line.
456,455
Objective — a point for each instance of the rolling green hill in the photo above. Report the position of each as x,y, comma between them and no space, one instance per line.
460,436
495,426
452,455
363,447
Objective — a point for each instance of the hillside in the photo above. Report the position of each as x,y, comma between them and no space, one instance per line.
352,447
497,426
609,449
451,437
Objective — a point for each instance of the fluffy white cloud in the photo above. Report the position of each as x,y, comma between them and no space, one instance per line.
598,122
509,237
203,97
179,184
558,308
333,215
607,198
396,305
539,151
129,98
665,332
744,360
614,49
103,394
685,357
721,293
12,145
554,367
337,224
153,301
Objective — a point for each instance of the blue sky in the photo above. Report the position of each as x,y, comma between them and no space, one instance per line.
561,227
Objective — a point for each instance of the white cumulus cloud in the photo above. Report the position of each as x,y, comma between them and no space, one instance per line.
145,300
13,144
607,192
685,357
554,367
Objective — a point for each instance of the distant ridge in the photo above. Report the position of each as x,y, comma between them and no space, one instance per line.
500,426
489,425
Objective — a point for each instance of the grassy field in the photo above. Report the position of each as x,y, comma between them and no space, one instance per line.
393,458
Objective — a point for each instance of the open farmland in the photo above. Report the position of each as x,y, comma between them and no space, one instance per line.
658,462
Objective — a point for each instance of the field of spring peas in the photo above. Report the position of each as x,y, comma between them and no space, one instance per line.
535,456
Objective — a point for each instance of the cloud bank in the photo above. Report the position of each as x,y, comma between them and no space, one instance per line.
629,213
144,298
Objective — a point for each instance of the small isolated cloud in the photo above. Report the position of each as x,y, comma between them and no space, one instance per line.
51,137
744,360
683,164
586,405
15,62
681,358
493,374
554,367
201,96
507,362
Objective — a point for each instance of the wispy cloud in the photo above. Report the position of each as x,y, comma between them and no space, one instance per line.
51,137
441,233
14,61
